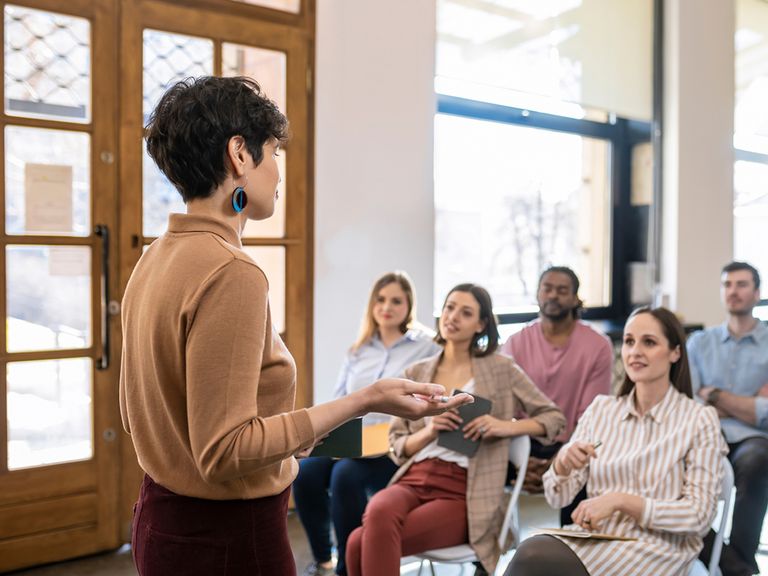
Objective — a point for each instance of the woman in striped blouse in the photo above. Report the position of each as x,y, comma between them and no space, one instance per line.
651,461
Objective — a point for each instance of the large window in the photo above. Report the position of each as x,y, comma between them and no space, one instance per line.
750,207
534,149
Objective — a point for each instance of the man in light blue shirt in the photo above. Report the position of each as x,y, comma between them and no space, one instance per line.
729,370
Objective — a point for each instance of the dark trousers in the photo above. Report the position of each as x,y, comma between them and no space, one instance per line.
174,534
328,490
750,466
545,555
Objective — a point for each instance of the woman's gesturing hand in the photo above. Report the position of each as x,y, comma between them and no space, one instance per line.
412,400
574,456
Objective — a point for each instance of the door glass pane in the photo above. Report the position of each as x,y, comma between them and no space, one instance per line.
267,67
49,297
271,259
47,65
533,198
47,182
50,412
284,5
168,58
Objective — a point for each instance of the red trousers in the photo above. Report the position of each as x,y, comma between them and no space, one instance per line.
178,535
424,510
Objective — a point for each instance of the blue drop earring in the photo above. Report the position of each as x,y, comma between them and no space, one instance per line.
239,198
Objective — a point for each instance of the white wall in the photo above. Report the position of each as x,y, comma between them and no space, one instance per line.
373,155
698,155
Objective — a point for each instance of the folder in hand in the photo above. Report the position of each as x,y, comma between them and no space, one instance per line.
454,439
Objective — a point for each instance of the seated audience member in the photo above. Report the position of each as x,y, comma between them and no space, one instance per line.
651,459
729,369
567,360
440,497
330,490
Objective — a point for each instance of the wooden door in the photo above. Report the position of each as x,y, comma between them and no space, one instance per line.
59,449
80,202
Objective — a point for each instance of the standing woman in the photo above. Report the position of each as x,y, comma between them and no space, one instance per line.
207,386
654,477
439,497
328,489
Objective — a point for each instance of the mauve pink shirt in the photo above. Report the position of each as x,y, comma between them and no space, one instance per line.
572,375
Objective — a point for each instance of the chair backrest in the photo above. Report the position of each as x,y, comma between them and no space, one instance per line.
519,451
726,489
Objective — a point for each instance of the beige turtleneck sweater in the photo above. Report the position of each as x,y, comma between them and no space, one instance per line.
207,386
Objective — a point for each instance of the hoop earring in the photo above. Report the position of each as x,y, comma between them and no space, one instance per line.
240,198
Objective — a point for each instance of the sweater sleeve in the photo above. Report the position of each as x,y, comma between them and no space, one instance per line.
231,434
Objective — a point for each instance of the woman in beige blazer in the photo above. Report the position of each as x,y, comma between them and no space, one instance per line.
439,497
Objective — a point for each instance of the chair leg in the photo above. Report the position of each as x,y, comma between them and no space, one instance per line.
432,567
421,565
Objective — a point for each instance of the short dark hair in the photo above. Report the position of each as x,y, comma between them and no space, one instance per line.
487,341
736,265
190,127
562,270
679,372
576,312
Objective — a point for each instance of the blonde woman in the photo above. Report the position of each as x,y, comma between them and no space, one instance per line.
329,491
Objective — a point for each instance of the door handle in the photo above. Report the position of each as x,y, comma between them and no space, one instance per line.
102,231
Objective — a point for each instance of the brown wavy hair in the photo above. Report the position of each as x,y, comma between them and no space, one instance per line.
486,342
679,372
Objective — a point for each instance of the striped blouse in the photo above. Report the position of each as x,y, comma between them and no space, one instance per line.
671,457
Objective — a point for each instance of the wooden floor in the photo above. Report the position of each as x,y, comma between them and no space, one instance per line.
119,562
534,513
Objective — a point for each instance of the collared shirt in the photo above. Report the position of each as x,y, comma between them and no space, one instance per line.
739,366
671,457
372,361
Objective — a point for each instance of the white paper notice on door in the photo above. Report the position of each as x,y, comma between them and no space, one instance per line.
48,198
69,261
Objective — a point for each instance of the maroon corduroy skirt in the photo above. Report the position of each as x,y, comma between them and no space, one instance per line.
179,535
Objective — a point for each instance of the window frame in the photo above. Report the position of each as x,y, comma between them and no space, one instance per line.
622,135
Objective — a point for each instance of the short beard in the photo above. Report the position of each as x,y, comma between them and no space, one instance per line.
742,312
562,315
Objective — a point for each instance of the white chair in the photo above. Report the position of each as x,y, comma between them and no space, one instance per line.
519,450
726,488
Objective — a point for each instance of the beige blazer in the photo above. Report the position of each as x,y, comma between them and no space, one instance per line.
501,380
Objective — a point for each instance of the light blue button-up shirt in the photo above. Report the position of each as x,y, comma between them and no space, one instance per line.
739,366
373,361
